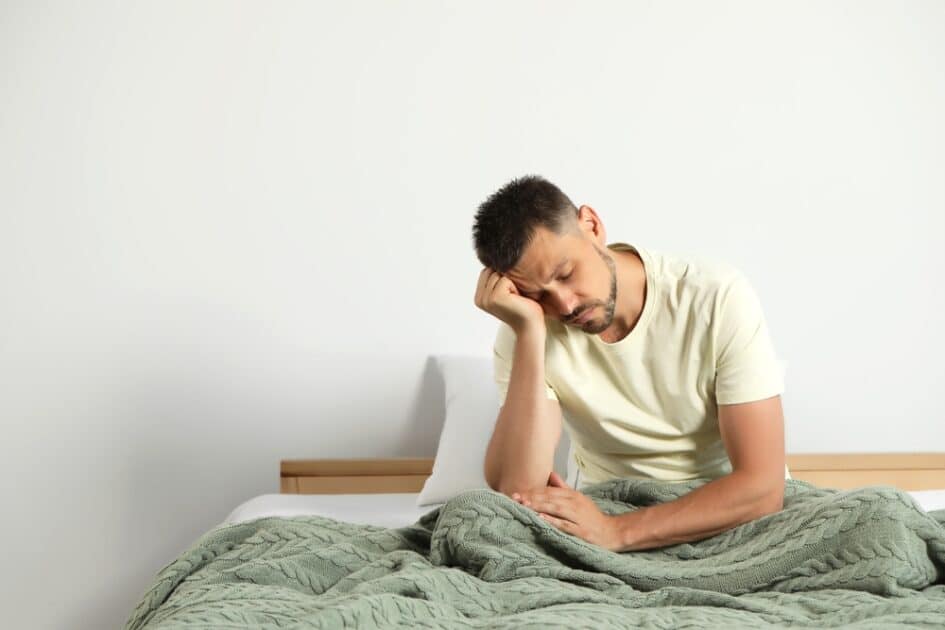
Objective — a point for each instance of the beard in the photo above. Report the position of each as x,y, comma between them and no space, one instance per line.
594,325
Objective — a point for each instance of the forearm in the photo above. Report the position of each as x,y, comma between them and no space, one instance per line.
710,509
521,452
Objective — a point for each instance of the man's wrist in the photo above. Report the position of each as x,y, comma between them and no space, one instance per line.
531,331
627,528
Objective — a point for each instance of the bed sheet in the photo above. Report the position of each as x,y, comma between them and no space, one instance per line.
400,509
387,510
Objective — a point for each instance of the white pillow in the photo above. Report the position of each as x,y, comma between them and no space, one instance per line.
472,406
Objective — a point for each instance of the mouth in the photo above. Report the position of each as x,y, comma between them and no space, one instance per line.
583,317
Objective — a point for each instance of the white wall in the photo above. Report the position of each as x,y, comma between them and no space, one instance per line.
235,232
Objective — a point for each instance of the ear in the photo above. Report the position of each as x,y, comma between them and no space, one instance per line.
591,225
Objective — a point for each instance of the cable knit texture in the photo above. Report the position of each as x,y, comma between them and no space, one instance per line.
864,558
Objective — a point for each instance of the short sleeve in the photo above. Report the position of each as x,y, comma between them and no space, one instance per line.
747,367
503,352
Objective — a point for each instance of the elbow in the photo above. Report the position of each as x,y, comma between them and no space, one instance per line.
496,481
510,485
771,503
495,484
508,489
504,484
491,480
762,496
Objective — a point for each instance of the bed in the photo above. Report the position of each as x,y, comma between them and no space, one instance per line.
424,543
860,543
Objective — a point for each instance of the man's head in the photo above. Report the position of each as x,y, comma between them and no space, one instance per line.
551,250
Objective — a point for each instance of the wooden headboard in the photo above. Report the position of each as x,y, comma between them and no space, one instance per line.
907,471
354,476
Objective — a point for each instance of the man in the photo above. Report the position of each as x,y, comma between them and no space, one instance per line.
659,367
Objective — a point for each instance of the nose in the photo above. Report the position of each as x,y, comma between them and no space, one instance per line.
565,303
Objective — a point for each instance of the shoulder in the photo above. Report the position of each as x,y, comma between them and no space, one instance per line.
704,280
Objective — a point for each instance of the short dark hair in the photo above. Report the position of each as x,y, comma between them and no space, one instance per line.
505,222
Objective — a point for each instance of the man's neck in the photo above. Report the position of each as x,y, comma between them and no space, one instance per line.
631,295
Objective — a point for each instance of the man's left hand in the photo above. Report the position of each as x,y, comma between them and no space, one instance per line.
572,512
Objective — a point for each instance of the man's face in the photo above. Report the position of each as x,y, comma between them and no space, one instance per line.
571,277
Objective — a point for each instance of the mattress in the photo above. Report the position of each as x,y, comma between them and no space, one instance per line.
399,509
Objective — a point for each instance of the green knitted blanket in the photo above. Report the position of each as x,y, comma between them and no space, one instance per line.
864,558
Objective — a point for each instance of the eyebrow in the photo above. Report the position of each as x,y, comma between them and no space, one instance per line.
553,273
560,265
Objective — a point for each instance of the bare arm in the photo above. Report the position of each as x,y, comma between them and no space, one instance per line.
753,435
520,455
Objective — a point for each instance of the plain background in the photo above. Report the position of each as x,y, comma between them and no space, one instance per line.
236,232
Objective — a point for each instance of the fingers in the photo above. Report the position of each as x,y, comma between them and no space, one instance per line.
483,277
560,523
489,280
484,287
550,492
557,510
557,501
491,283
522,499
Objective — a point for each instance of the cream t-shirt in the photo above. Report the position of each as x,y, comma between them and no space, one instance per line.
647,405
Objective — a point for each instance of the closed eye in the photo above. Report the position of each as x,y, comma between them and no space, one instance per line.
538,297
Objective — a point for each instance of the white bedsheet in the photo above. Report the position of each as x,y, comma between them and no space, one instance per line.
399,509
387,510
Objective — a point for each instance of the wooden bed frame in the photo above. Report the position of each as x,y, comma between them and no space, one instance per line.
907,471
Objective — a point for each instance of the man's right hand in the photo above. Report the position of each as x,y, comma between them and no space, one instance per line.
498,296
